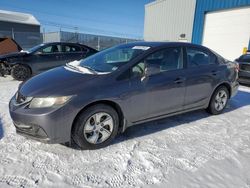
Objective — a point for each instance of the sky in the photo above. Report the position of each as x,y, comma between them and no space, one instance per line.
124,18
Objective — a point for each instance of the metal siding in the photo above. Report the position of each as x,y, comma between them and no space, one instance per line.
165,22
18,27
203,6
26,35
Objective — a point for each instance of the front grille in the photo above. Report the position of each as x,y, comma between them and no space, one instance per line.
245,67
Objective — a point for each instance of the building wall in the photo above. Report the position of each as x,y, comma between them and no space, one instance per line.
25,35
166,20
203,6
17,27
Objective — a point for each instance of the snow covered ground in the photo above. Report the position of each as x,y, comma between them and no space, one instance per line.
190,150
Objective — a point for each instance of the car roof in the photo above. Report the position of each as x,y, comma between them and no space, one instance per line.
141,43
162,44
69,43
74,43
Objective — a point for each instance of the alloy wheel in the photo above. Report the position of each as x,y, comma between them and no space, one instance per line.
98,128
220,100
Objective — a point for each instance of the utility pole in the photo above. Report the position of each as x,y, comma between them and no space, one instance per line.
98,43
12,33
44,36
76,34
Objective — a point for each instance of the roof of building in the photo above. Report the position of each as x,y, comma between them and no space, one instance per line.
18,17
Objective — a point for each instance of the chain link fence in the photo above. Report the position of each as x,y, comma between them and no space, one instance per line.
29,39
95,41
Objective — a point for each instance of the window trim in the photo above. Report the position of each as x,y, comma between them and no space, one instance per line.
160,49
206,51
46,46
81,47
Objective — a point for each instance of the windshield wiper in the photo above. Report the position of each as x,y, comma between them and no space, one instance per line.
78,68
73,67
90,68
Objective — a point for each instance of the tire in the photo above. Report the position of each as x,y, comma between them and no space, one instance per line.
218,104
20,72
92,127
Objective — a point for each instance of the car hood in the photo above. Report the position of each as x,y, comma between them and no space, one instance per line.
56,82
12,55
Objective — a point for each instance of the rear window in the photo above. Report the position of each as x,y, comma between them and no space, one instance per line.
197,57
72,48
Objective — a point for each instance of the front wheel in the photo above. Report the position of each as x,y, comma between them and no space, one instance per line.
96,127
20,72
218,101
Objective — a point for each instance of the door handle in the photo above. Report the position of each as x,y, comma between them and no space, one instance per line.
179,80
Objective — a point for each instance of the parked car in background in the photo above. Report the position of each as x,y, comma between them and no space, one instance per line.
7,45
22,65
244,68
92,100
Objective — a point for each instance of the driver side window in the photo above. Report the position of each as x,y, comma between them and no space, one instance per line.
159,61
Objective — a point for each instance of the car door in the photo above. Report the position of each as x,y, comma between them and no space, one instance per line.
48,57
73,52
161,90
203,73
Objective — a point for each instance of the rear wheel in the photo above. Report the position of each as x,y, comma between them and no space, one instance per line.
20,72
219,100
96,127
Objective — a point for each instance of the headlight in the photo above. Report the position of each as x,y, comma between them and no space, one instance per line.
48,102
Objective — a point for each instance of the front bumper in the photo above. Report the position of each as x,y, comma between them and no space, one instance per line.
48,125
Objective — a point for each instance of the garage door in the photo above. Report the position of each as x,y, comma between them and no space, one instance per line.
227,32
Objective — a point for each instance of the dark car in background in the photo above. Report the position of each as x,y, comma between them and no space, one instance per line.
22,65
92,100
244,68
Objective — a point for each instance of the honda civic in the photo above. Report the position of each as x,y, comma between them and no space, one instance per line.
89,102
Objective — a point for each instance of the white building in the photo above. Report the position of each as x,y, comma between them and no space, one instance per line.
222,25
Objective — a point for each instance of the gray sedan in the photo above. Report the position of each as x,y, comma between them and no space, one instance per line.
90,101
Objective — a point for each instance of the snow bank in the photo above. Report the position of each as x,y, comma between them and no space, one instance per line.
190,150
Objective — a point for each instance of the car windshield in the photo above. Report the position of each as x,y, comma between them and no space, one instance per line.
35,48
111,59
